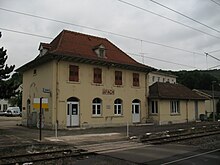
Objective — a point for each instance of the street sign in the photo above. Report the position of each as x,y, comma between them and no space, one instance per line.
45,90
37,103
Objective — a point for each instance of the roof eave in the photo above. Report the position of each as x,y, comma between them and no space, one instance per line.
77,58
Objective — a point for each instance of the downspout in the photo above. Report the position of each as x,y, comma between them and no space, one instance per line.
187,115
57,92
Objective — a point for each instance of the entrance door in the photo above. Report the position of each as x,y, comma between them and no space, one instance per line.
135,111
72,114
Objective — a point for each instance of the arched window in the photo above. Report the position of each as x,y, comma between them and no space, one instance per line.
96,107
136,101
118,107
73,99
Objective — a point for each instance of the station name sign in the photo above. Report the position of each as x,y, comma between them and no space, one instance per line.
108,92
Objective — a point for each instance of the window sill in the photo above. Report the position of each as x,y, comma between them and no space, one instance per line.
97,84
73,82
175,114
96,116
154,114
119,86
118,115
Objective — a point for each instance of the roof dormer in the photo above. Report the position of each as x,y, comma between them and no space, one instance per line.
43,48
100,51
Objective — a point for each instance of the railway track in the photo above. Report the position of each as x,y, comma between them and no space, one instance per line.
180,134
43,157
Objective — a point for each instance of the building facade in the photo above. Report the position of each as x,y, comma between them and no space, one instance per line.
212,99
4,105
157,76
88,82
174,103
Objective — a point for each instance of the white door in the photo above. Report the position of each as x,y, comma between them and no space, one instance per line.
135,112
72,114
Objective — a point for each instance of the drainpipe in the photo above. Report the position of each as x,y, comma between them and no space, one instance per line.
187,115
56,113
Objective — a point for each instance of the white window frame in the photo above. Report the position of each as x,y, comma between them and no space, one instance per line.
154,109
174,107
118,107
95,107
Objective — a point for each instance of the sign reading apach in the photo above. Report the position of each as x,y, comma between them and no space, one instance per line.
108,92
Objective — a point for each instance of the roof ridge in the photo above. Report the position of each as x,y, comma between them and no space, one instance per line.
83,34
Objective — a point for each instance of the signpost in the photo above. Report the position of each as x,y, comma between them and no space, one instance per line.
40,103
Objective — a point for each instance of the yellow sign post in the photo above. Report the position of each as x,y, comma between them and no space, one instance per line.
37,103
40,103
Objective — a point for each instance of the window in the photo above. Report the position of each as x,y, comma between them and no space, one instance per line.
5,107
154,107
118,77
153,79
118,107
97,75
158,79
0,107
174,107
135,79
73,73
96,107
163,79
102,52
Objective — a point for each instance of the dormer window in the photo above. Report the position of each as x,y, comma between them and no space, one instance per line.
100,51
43,48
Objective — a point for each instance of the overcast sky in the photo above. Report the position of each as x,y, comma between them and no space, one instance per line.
118,17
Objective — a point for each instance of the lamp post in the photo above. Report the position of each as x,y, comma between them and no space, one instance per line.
213,100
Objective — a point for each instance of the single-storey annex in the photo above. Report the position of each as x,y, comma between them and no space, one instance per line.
174,103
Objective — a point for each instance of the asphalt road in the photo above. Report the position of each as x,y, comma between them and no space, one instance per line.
11,133
169,154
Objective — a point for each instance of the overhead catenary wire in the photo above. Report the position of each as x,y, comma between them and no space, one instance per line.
103,31
214,51
25,33
217,3
170,62
208,54
133,54
192,19
143,9
214,67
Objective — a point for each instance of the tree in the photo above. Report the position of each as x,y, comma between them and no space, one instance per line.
16,100
7,86
196,79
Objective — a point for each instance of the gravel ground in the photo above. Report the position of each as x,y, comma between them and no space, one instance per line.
208,142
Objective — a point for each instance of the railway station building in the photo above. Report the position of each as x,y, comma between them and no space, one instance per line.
88,81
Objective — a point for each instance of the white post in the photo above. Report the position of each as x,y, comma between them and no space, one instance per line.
127,129
56,127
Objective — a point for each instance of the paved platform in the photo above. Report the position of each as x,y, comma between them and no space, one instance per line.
88,138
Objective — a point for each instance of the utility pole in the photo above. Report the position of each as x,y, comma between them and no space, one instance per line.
213,99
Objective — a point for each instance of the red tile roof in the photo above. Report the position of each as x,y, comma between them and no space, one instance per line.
45,45
78,44
161,90
78,47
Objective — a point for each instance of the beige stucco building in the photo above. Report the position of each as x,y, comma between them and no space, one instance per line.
174,103
88,81
158,76
212,99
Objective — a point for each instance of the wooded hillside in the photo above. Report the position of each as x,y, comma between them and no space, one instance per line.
198,79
